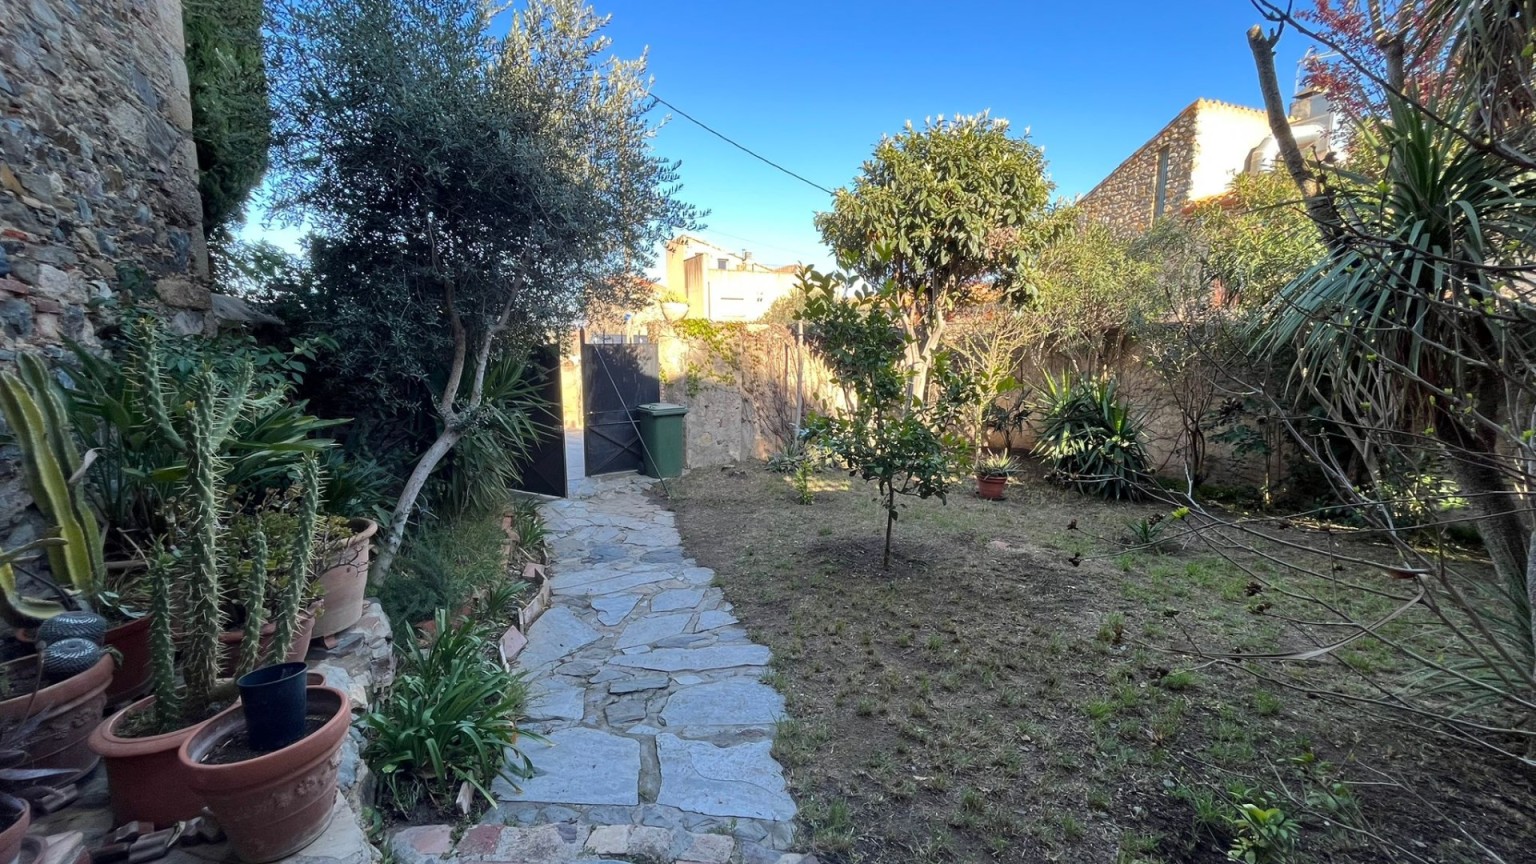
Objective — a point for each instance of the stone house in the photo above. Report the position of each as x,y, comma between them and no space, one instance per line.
1196,156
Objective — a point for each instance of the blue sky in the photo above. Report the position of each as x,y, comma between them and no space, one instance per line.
813,85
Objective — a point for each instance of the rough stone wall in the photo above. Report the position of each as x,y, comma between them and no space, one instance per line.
742,391
98,172
98,182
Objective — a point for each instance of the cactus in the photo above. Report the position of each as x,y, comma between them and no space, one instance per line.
52,464
162,643
255,603
206,516
303,551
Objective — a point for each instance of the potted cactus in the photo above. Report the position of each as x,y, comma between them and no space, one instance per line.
53,467
992,472
23,788
202,563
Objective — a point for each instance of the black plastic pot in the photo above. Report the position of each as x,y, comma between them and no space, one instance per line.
274,701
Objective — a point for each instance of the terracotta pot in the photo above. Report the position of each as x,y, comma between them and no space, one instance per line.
991,488
345,579
12,837
275,804
144,778
72,707
300,649
132,676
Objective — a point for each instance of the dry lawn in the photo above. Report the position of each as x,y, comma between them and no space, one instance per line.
988,700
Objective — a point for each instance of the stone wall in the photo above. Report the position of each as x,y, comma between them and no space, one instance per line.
744,390
98,182
98,172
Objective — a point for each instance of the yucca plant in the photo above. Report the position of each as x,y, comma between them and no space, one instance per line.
996,465
1090,437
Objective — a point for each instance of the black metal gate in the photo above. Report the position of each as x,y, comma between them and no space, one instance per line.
544,472
614,379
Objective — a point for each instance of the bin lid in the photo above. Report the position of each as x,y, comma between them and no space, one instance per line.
662,409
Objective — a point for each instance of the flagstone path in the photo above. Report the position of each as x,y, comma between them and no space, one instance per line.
660,729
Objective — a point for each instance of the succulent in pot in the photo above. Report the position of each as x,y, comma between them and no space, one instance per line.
992,473
674,306
200,565
79,581
347,546
52,699
26,790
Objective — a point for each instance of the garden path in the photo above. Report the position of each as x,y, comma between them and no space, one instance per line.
649,692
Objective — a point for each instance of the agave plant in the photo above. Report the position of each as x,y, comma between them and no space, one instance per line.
996,465
1090,437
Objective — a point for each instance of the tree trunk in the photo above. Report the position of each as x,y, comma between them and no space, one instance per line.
407,502
890,521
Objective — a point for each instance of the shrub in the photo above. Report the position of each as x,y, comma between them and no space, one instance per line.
530,531
1090,438
450,719
443,566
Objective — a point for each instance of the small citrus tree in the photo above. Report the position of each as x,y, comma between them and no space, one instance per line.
902,446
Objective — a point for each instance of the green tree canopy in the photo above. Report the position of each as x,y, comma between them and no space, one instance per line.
475,194
943,215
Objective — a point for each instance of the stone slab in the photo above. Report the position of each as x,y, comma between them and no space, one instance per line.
554,699
653,628
635,685
741,781
696,659
579,766
557,634
710,619
614,608
613,585
674,599
735,702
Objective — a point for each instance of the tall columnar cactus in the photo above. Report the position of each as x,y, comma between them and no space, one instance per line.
162,643
205,517
303,551
51,462
255,602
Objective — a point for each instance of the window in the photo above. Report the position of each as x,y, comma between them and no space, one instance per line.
1160,193
723,263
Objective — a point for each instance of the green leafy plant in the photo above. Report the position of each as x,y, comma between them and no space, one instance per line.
450,719
443,566
488,460
890,436
1090,437
995,465
530,531
1262,834
34,409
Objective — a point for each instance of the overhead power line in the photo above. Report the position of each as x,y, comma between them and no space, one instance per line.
747,150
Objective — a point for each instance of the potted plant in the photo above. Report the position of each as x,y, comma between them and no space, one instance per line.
190,577
347,546
21,786
34,409
992,472
674,306
270,804
59,693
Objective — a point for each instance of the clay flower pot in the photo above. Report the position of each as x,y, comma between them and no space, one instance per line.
345,579
144,778
991,486
72,708
305,633
275,804
131,679
11,838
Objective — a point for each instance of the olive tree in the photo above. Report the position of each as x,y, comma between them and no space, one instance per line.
485,192
945,215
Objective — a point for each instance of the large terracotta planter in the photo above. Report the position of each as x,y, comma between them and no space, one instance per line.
132,676
302,637
11,838
275,804
345,579
71,709
144,779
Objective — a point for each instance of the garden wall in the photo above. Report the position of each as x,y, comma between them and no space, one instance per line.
746,386
98,181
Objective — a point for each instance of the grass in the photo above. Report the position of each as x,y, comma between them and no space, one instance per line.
986,701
